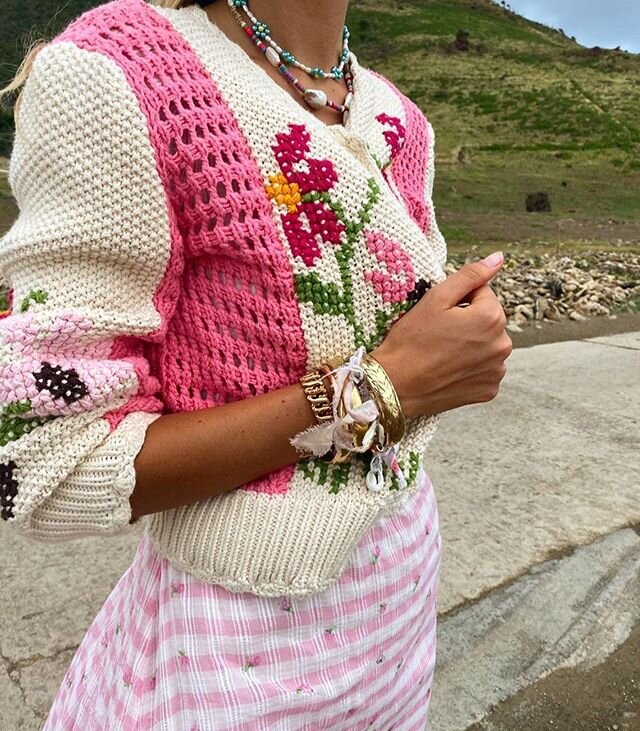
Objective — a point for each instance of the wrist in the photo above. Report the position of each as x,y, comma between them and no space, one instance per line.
395,370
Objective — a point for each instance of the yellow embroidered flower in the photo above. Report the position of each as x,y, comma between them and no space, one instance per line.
283,192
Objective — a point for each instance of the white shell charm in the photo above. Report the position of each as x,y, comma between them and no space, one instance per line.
375,478
348,99
315,98
273,56
345,116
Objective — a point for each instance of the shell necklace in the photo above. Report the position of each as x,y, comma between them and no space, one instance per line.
260,34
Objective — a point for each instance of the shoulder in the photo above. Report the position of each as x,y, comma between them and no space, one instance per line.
416,120
110,25
89,46
397,112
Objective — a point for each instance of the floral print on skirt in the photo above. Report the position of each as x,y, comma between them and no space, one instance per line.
168,651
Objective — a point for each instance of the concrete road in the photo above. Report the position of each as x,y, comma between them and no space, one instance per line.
540,508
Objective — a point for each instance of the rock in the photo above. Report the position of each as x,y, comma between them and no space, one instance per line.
524,310
549,287
542,305
462,40
512,327
538,202
552,313
576,316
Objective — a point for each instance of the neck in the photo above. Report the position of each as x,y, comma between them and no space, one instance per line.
310,29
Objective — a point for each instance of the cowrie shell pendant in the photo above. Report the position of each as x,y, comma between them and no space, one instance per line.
315,98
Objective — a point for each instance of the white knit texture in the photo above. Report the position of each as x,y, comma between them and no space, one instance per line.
93,233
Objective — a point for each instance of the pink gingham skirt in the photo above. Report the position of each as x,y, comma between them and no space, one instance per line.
167,651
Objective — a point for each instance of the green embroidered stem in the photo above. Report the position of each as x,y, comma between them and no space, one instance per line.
325,297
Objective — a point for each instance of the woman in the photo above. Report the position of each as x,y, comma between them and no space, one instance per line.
218,249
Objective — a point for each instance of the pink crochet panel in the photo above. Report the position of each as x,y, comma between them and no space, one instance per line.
231,325
412,155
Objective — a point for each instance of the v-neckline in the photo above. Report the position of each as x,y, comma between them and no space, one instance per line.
262,78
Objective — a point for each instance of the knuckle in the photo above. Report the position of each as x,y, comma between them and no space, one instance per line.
492,316
489,394
471,273
505,346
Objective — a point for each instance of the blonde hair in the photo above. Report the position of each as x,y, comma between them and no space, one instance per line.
22,74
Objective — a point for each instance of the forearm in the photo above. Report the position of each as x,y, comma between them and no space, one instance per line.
194,455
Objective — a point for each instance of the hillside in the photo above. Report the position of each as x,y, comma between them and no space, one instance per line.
523,109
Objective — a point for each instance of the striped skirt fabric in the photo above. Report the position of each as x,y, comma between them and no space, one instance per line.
167,651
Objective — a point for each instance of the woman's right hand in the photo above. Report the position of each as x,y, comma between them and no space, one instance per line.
440,356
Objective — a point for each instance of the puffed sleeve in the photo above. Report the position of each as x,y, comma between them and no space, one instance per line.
87,261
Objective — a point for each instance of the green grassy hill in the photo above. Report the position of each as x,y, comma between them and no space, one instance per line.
523,109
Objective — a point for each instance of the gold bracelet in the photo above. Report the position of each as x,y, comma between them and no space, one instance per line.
316,393
386,398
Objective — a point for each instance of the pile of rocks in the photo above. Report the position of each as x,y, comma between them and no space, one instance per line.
552,287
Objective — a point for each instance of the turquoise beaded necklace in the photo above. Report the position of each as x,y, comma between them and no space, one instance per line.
260,35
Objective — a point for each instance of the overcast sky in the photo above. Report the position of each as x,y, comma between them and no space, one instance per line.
605,23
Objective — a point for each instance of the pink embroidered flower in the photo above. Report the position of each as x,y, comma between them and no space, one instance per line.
183,659
307,223
311,175
304,688
285,605
252,662
375,554
394,137
176,589
396,279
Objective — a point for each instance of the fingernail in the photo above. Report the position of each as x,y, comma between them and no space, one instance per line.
493,259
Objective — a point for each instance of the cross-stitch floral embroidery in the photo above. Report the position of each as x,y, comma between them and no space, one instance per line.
396,279
311,217
395,135
307,219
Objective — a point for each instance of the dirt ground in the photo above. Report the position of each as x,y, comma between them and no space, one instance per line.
543,231
603,698
594,327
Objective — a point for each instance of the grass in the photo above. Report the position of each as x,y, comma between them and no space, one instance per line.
531,109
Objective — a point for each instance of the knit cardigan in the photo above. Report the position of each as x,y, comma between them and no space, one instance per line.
189,235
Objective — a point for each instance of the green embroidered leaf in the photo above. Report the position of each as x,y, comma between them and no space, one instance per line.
414,464
324,296
16,407
339,477
335,206
13,427
36,295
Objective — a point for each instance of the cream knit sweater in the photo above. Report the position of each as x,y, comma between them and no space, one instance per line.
189,235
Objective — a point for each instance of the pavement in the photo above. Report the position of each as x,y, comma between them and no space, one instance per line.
540,589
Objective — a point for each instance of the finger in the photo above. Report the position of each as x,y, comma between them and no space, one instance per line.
480,295
468,278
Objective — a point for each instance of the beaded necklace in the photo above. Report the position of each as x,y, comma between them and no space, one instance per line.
260,35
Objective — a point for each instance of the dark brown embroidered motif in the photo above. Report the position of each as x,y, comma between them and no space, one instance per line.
60,383
8,489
